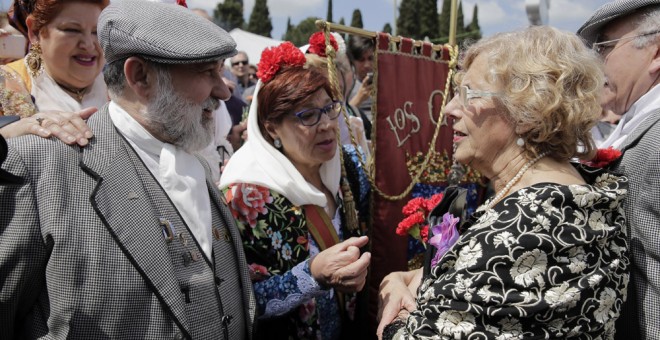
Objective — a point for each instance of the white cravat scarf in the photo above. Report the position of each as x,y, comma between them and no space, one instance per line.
178,172
51,97
633,118
258,162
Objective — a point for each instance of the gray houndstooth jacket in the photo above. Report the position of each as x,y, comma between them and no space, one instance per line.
82,254
640,318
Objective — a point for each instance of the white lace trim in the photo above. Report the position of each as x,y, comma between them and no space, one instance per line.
308,287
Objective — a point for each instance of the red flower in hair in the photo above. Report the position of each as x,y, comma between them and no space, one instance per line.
274,58
182,3
317,44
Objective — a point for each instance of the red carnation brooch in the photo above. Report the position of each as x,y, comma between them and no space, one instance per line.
182,3
604,157
415,211
317,44
274,58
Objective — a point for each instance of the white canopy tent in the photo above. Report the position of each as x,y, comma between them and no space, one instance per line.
252,44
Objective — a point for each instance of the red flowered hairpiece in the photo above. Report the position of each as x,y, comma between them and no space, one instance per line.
274,58
317,44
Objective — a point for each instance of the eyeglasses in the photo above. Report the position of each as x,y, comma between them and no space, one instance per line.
603,47
464,94
242,62
311,117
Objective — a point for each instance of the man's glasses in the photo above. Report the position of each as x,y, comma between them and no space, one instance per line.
311,117
605,47
464,94
242,62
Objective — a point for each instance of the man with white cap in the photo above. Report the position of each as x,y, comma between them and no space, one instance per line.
627,35
128,238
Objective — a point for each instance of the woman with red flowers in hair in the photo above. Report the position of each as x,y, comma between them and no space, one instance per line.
293,206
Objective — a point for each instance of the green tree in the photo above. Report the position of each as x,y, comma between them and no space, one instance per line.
428,19
445,18
473,29
460,22
229,14
299,35
387,28
328,16
408,23
260,22
357,19
341,21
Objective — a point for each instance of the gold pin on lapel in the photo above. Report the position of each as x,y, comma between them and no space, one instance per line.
168,229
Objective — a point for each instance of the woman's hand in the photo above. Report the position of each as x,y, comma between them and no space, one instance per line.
396,297
341,266
363,93
69,127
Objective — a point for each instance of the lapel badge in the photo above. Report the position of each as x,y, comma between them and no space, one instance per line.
187,258
195,255
132,195
183,239
168,229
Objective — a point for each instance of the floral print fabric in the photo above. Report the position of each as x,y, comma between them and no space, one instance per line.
549,261
277,247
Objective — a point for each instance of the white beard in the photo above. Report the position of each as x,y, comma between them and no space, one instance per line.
179,121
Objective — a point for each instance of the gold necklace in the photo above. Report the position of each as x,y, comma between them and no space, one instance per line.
77,93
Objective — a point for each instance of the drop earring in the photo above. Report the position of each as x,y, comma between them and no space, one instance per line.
520,142
33,60
277,143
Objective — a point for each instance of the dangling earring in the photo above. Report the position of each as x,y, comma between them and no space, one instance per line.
277,143
520,142
33,60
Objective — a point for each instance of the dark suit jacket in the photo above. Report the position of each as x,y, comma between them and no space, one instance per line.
82,254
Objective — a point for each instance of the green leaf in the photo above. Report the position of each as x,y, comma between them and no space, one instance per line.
259,231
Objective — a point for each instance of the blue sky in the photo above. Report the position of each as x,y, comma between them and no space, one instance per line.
494,15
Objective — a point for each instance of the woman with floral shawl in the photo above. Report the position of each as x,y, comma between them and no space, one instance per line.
284,189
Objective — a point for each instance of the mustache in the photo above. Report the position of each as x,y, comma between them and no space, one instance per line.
211,104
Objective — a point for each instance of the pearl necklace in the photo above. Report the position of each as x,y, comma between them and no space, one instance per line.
514,180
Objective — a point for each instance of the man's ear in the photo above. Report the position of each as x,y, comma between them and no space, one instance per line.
32,35
654,67
140,77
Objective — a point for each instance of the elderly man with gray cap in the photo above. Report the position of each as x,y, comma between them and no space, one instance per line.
128,238
627,35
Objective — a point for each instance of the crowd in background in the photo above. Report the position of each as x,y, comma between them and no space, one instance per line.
124,214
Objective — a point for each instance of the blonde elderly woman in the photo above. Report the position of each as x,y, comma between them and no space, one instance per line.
546,257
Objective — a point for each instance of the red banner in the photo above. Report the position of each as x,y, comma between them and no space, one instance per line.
410,90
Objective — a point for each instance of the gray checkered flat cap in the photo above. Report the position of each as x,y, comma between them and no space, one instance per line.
162,33
607,13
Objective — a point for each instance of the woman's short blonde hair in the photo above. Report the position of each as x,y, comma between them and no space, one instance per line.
551,85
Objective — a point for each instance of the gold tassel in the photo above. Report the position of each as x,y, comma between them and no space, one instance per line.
349,202
33,60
